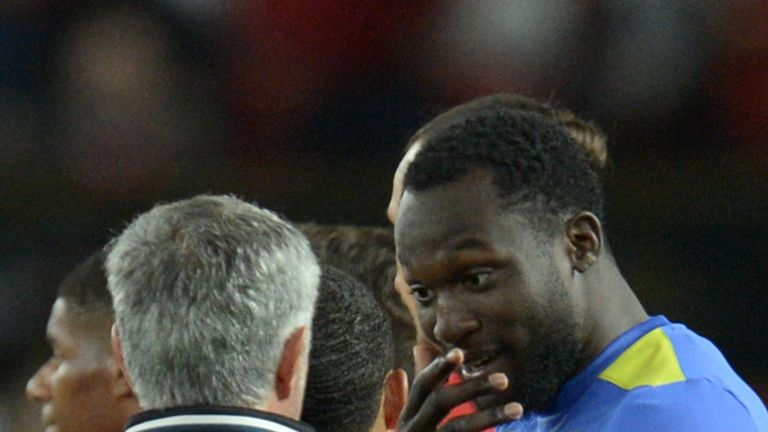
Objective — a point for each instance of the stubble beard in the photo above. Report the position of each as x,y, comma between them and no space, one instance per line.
550,360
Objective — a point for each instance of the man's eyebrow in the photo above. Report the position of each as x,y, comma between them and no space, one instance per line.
461,244
470,243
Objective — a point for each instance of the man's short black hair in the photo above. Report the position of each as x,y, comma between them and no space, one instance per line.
586,134
536,164
350,357
85,287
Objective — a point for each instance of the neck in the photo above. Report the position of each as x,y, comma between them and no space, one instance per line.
611,307
287,407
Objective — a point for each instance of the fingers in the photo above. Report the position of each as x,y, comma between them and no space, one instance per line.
437,406
484,419
430,378
431,401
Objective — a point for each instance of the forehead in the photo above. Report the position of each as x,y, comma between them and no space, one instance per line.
465,214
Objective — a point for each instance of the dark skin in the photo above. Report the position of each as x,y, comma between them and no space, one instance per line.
500,298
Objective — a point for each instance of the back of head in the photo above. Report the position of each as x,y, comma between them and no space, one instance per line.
536,163
350,358
206,292
368,254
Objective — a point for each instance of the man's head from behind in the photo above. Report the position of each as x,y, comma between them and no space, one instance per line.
351,386
213,302
81,385
500,216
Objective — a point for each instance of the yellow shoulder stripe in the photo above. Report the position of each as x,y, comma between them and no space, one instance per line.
651,361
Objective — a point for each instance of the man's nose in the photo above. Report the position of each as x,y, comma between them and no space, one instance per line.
453,325
38,387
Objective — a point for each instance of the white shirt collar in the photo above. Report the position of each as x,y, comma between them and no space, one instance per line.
239,419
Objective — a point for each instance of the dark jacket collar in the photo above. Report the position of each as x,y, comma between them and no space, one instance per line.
206,417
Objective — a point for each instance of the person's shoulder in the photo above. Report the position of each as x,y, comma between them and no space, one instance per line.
694,404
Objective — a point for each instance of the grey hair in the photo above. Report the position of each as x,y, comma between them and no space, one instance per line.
206,291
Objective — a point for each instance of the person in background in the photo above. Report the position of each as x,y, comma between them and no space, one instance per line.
81,386
368,254
213,302
352,385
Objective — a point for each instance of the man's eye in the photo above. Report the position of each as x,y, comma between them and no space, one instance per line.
476,279
423,294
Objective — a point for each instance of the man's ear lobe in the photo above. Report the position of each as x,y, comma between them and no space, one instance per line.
584,240
395,396
117,348
290,367
123,386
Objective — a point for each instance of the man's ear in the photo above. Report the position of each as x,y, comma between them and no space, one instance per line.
123,386
395,396
584,240
290,367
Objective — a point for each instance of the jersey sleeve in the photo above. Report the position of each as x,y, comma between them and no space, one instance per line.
694,405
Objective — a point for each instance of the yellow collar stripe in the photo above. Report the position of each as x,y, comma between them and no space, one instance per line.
651,361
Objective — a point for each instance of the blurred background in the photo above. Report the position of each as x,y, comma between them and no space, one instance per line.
107,107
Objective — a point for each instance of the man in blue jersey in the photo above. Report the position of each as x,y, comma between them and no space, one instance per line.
499,234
